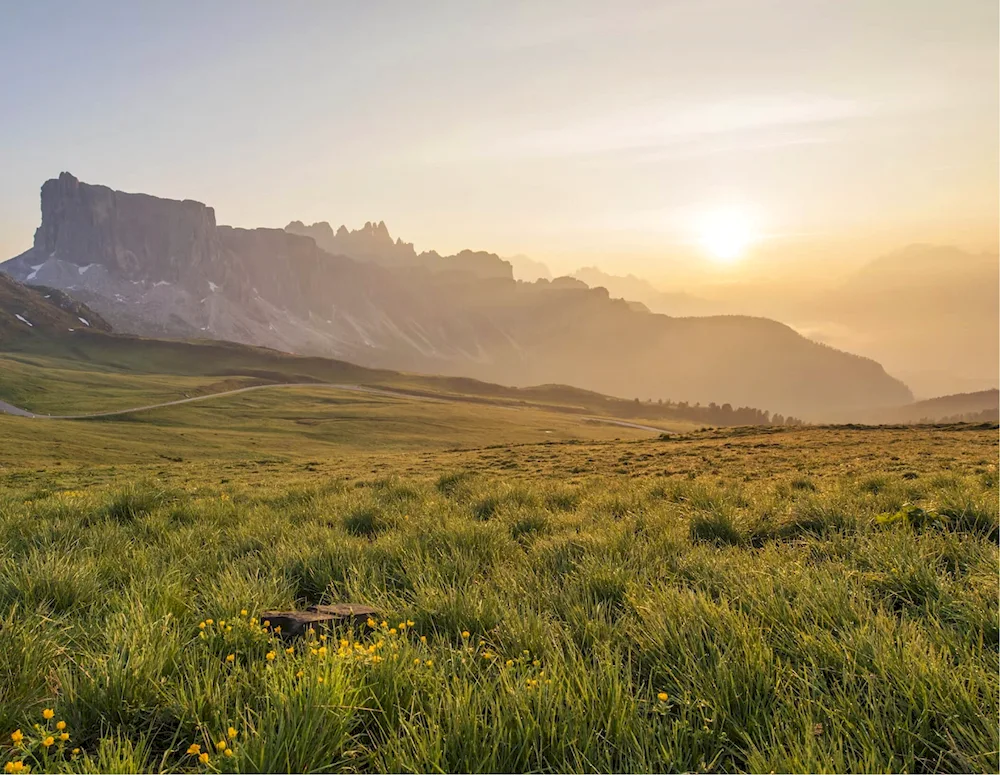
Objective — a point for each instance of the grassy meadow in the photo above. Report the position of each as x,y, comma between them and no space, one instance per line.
553,595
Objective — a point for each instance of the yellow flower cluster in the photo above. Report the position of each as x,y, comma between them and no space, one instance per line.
72,494
224,746
48,737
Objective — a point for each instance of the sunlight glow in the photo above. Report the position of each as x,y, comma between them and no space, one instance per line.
725,234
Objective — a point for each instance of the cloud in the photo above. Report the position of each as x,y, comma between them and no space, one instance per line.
660,130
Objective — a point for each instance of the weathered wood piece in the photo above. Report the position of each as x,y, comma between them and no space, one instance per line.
297,623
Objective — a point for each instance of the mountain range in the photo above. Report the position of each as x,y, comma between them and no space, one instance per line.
165,268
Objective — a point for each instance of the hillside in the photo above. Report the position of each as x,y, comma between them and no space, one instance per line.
32,312
160,267
983,406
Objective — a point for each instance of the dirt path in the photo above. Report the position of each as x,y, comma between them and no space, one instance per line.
625,424
6,408
10,409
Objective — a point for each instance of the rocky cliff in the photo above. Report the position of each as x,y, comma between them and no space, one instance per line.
164,268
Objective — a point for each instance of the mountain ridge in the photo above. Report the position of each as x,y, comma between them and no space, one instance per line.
164,267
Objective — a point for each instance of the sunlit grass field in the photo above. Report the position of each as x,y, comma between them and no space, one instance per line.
794,600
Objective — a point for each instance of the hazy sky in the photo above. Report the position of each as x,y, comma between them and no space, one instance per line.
576,132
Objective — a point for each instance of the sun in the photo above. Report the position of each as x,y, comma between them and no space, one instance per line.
725,235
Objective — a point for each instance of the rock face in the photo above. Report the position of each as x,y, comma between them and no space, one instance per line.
164,268
125,233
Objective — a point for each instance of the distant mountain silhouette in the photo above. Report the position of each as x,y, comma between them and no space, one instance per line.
163,267
678,303
929,313
527,269
372,243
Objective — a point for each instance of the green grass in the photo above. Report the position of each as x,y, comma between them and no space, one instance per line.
747,575
806,599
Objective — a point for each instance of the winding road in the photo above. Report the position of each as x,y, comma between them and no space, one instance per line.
6,408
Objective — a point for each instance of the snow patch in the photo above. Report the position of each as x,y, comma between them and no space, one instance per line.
83,269
83,320
71,329
158,283
213,286
34,271
23,320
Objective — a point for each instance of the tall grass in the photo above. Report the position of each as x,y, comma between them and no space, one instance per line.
614,624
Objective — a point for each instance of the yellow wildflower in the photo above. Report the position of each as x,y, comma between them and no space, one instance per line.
290,650
203,758
220,746
267,623
231,658
392,631
323,637
423,638
416,661
465,633
510,663
300,674
409,622
201,625
222,622
321,651
536,663
60,725
48,713
17,736
270,656
75,751
64,736
194,749
319,680
228,752
371,622
429,662
243,612
402,625
231,733
48,741
662,696
209,621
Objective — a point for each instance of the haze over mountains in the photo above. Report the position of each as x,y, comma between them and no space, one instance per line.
927,313
164,267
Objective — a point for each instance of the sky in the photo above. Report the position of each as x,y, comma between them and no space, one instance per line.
578,133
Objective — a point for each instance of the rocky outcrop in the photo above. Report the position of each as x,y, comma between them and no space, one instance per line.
164,268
